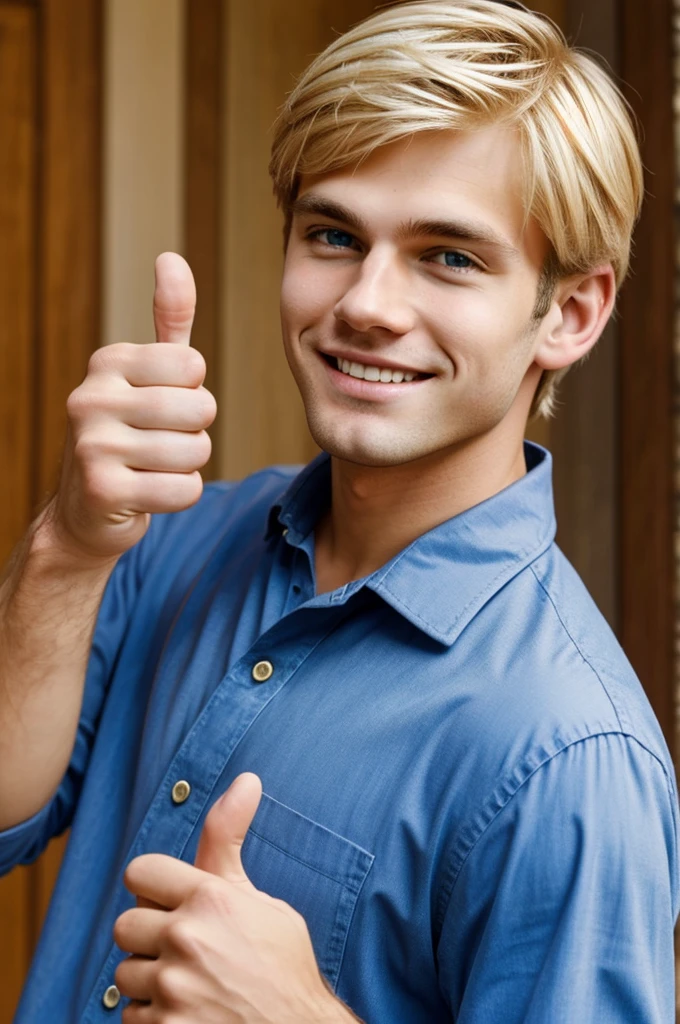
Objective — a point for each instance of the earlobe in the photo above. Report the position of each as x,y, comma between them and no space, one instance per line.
585,304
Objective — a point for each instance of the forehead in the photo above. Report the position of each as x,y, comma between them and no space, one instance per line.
472,175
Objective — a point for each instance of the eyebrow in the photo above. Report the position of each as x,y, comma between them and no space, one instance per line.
462,230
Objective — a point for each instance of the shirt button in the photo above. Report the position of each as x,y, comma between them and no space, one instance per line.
111,997
180,791
263,671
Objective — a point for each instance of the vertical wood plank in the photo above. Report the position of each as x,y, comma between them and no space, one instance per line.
69,254
541,430
18,116
70,199
203,175
647,370
17,256
267,43
584,433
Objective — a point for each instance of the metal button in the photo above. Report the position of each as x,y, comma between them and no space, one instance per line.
263,671
111,997
180,791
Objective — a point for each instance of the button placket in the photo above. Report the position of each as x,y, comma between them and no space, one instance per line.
111,998
180,791
262,671
172,833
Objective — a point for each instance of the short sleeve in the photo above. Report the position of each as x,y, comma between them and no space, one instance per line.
563,909
26,841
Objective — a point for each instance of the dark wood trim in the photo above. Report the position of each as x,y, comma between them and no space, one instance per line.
70,214
647,368
18,167
69,257
203,130
583,437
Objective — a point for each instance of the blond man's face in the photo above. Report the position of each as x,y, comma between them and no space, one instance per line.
417,272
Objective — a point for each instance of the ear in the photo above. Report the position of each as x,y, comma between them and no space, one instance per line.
579,313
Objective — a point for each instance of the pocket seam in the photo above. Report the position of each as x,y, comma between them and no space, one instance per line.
346,883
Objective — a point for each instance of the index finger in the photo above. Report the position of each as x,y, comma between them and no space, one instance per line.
174,299
164,880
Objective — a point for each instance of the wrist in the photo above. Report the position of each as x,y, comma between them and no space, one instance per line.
54,548
334,1011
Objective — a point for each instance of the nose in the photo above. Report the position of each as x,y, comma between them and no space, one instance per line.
378,297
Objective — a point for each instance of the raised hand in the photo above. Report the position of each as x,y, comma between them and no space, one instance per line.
210,948
137,429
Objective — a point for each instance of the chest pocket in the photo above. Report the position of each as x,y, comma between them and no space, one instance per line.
316,871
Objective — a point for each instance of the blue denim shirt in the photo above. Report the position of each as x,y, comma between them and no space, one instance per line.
467,795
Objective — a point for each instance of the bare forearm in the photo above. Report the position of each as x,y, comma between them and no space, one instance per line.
49,598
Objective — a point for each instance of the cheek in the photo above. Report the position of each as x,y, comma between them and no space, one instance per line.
305,295
467,331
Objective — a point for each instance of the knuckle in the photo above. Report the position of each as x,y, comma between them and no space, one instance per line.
76,403
98,488
87,401
211,892
86,448
170,985
108,357
180,936
97,361
91,447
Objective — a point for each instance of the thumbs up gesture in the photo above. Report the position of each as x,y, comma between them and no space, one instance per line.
207,946
137,429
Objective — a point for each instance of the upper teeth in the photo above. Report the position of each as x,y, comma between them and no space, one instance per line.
380,373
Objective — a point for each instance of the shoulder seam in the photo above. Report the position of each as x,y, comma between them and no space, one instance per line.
577,646
452,873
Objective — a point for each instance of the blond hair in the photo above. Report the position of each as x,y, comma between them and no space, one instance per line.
460,64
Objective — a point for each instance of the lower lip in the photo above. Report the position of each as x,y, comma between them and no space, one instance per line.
369,390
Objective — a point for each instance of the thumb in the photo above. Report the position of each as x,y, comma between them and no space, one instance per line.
225,828
174,299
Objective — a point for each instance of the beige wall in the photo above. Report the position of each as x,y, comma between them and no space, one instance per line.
143,156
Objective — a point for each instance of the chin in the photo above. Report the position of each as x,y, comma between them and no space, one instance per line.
371,448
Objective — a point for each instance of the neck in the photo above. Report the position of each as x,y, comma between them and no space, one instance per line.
377,511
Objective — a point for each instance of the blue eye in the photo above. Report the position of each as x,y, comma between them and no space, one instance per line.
337,238
457,259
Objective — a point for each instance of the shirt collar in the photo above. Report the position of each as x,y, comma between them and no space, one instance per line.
442,579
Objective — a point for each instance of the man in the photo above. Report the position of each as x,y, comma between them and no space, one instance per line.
469,812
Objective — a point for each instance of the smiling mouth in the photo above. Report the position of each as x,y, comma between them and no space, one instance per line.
377,374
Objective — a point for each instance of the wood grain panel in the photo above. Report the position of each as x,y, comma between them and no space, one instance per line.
70,214
584,433
647,370
540,430
267,42
203,181
17,256
555,9
69,246
18,31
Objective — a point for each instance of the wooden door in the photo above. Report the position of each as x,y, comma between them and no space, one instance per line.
49,296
